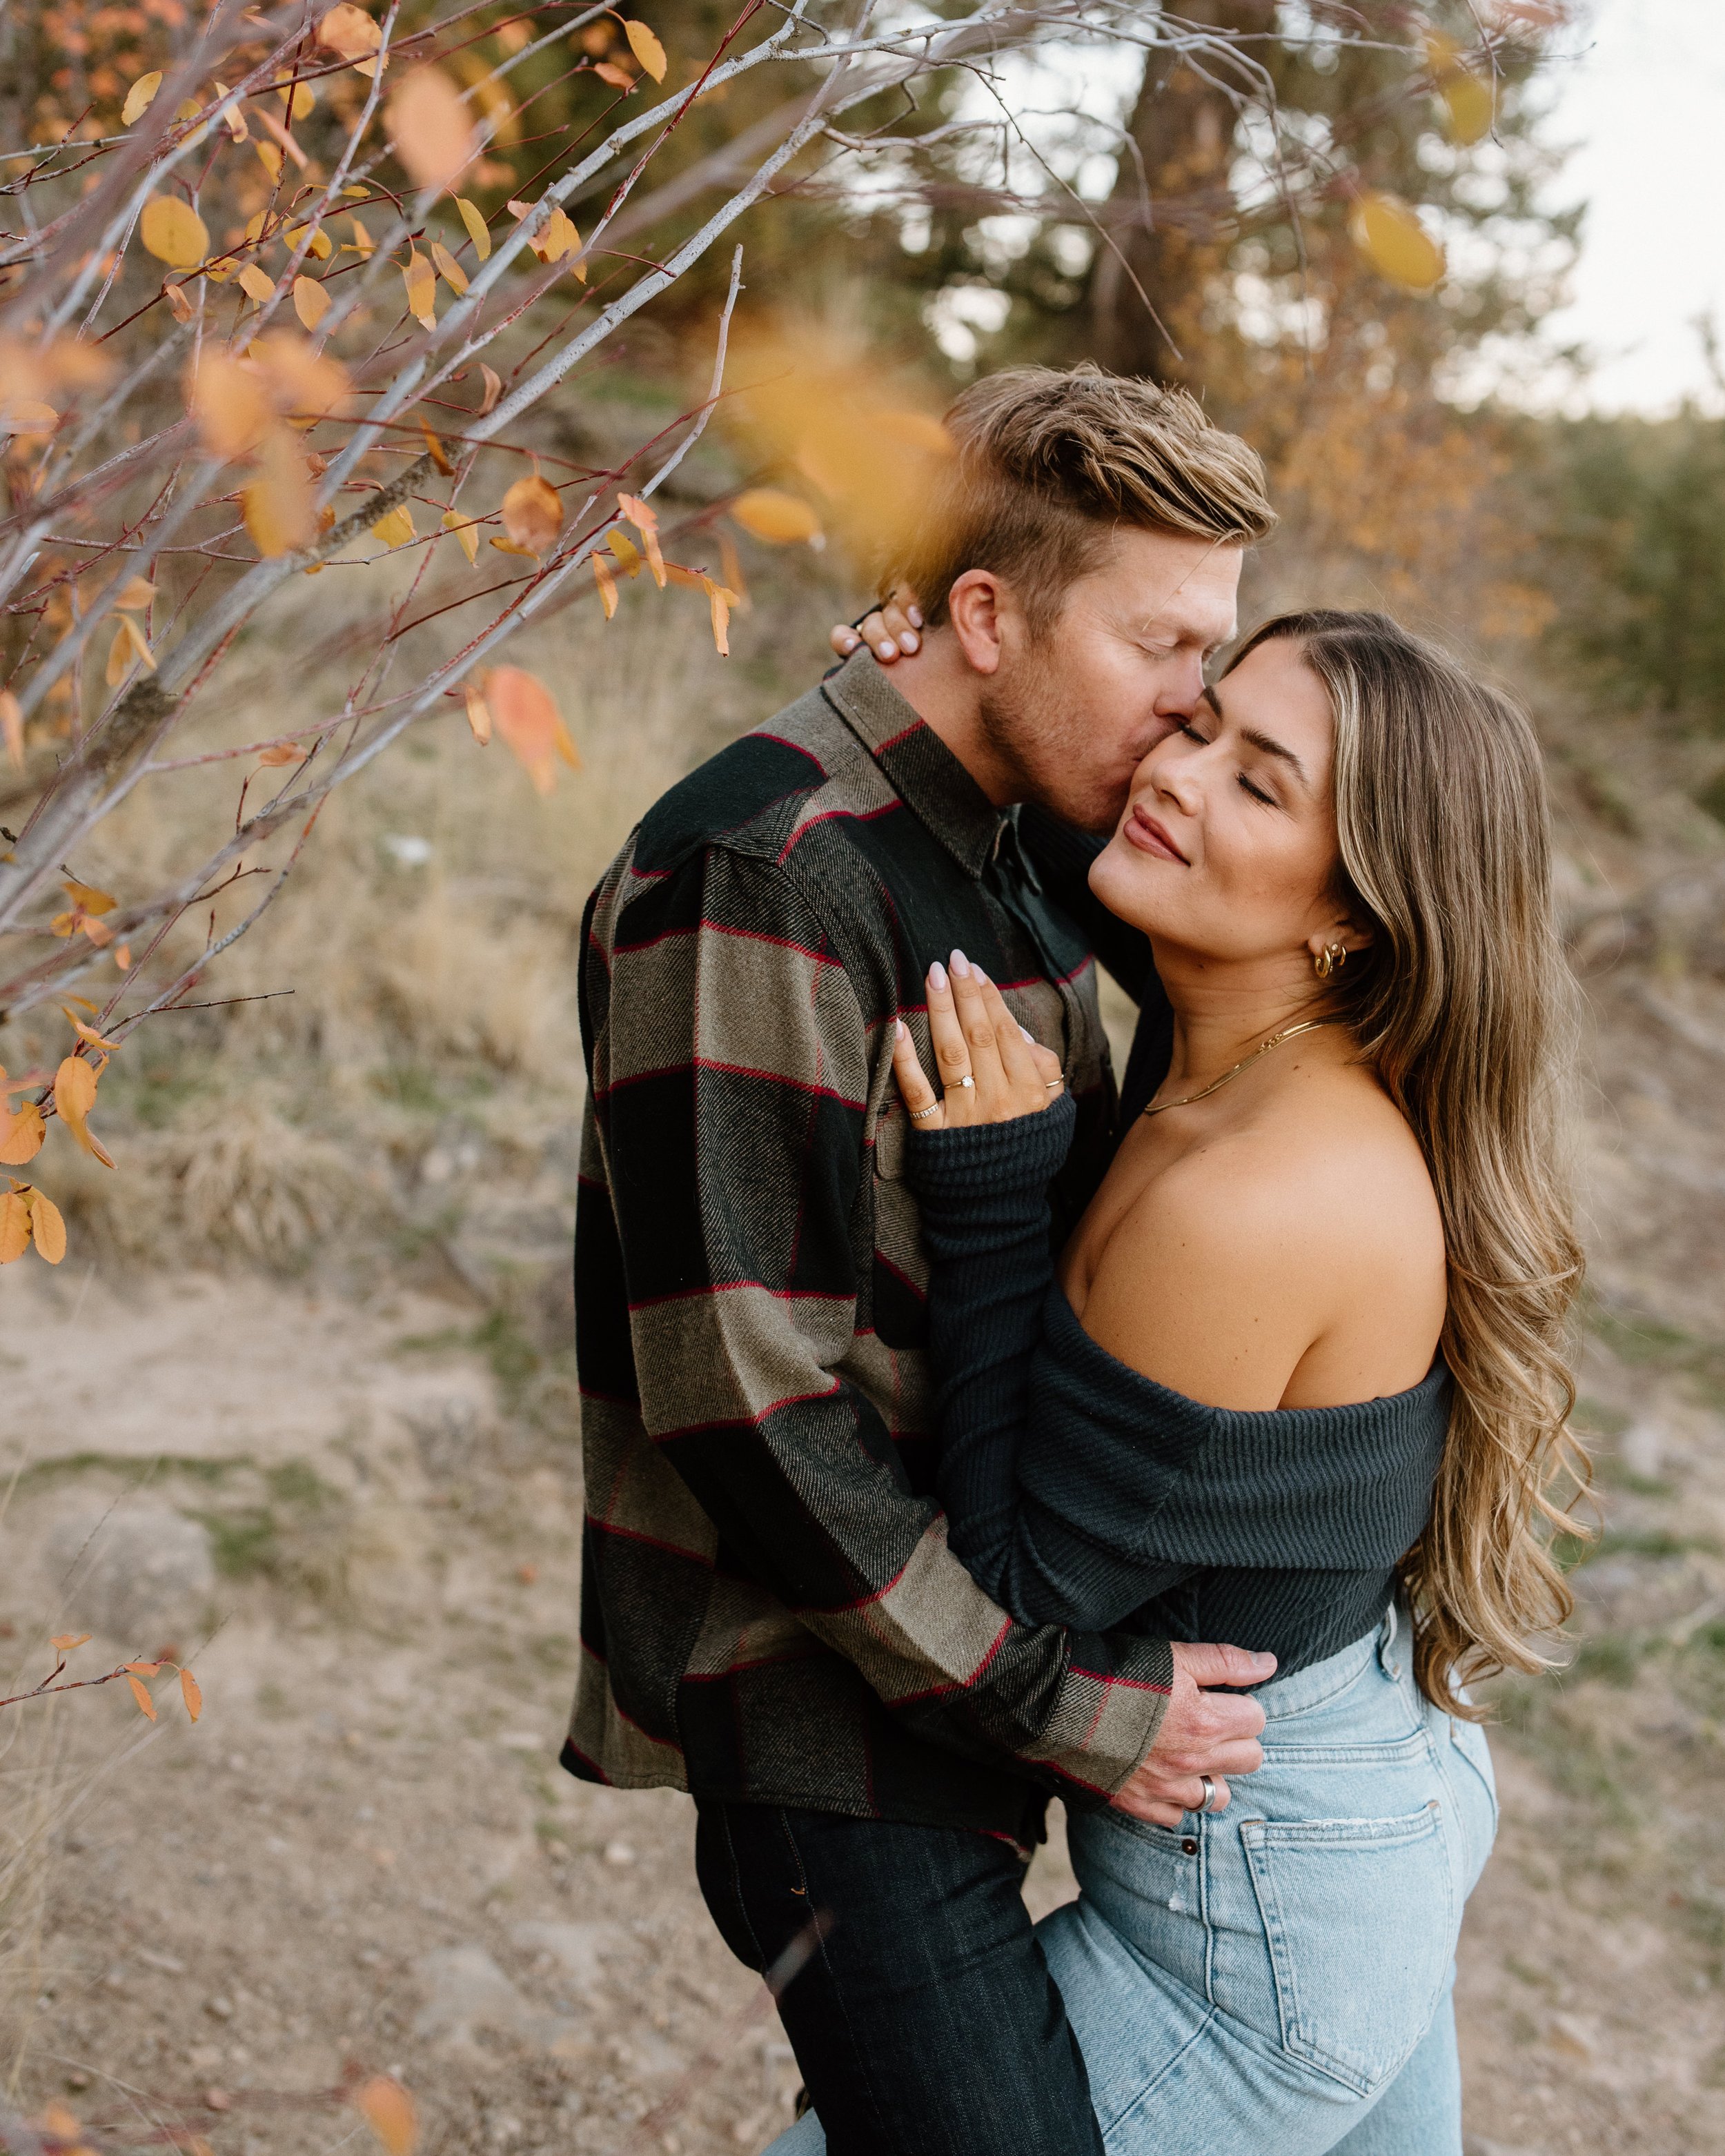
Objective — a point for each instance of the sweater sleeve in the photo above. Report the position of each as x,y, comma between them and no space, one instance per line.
1046,1507
983,1192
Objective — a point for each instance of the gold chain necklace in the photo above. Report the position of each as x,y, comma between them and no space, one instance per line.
1215,1085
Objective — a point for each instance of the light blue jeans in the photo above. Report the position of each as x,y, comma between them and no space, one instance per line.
1274,1980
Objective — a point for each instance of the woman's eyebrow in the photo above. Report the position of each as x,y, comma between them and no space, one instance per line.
1265,742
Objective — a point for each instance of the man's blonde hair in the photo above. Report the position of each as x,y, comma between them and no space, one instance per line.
1048,464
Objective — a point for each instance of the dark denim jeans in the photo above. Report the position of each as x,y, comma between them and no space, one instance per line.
925,2022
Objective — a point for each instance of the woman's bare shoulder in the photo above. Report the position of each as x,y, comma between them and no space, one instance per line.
1313,1214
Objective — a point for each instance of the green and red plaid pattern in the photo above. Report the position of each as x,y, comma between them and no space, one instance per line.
770,1610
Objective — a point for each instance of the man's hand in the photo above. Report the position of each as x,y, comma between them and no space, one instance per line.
1203,1732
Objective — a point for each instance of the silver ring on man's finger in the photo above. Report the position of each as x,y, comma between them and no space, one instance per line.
1207,1802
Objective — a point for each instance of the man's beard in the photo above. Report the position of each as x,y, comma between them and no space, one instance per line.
1029,725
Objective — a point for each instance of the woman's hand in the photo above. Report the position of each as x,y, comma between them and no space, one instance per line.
991,1068
889,629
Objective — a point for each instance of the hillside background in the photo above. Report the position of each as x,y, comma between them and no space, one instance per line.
300,1402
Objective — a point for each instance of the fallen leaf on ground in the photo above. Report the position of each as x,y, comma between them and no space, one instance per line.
388,2110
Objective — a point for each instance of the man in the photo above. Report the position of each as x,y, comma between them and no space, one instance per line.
772,1618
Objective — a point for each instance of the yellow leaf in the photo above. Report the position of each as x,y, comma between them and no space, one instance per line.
1392,238
435,450
74,1092
178,305
559,240
448,268
309,384
533,514
646,49
466,531
395,528
1470,107
12,725
388,2110
529,722
136,595
431,128
349,32
47,1226
233,120
608,586
130,647
87,1032
477,230
362,243
146,1705
629,556
15,1227
317,241
140,97
780,519
646,522
22,1131
478,712
270,157
720,598
509,547
279,508
301,99
422,288
64,1642
173,232
311,303
494,387
191,1695
229,403
255,284
89,896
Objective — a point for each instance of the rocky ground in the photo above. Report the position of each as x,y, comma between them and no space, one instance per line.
355,1507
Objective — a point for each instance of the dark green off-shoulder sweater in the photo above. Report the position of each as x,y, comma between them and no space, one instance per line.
1082,1493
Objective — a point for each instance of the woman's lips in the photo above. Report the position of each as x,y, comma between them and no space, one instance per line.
1149,837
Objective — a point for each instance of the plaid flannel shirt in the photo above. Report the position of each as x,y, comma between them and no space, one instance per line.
770,1611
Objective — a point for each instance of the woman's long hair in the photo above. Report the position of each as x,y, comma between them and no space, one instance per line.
1465,1006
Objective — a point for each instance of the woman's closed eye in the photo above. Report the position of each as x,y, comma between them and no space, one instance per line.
1187,727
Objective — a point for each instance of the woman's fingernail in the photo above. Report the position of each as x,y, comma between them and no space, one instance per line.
898,1030
937,975
906,642
913,614
982,977
960,965
851,642
1028,1034
889,649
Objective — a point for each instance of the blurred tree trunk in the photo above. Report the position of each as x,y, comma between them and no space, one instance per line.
1181,142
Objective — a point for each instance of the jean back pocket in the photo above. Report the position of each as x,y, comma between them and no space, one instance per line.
1359,1917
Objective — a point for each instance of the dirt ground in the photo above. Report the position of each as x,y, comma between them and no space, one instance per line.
364,1856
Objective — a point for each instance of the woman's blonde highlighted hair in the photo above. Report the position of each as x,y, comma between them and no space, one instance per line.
1465,1007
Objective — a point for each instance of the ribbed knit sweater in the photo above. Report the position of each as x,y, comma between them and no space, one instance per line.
1080,1492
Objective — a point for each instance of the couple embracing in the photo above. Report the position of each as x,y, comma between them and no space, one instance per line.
961,1430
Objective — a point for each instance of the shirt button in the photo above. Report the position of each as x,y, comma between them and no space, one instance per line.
1190,1847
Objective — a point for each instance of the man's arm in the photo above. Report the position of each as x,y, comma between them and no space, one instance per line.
731,1077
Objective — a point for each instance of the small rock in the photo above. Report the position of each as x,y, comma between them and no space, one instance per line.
165,1963
619,1852
131,1573
1570,2036
219,2009
576,1946
465,1991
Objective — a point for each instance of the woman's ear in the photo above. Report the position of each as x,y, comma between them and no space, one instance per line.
1344,932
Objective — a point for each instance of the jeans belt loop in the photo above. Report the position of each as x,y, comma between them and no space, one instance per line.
1389,1661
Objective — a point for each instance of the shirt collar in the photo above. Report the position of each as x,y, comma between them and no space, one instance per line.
924,772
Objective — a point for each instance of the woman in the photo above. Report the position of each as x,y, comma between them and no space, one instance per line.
1296,1382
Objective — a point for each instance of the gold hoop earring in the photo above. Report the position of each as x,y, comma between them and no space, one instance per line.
1330,960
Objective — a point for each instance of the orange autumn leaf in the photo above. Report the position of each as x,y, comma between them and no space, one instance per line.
646,49
135,595
388,2110
64,1642
173,232
479,713
47,1228
432,128
628,554
421,281
311,303
780,519
448,268
230,404
256,284
146,1706
646,522
477,231
619,78
22,1133
12,724
179,306
533,514
190,1693
435,450
90,896
494,387
143,1669
349,32
527,720
281,513
720,598
284,752
608,587
15,1227
131,647
75,1094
